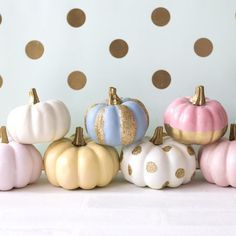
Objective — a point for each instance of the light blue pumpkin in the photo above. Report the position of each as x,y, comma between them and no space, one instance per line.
118,122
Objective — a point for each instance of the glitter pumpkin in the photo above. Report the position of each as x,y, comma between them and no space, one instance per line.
158,162
117,122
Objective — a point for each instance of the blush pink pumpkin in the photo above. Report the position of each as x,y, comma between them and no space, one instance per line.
20,164
196,120
218,160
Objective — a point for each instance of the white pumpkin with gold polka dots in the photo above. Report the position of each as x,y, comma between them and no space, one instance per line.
158,162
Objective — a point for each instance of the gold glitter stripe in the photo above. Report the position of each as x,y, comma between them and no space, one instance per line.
99,126
195,137
127,124
142,106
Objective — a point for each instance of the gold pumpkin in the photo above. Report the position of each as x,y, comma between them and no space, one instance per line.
77,164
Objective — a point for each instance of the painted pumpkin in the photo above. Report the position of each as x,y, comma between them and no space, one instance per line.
158,162
218,160
196,120
20,164
117,122
77,164
38,122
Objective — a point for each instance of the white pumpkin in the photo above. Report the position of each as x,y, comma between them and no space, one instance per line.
38,122
158,162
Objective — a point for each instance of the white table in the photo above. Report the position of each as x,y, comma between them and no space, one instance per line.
121,208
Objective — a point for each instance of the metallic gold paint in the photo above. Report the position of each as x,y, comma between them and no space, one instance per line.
202,138
141,105
151,167
33,96
99,126
118,121
166,163
84,167
166,148
137,150
199,98
127,125
180,173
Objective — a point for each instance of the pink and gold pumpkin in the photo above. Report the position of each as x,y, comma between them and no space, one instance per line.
196,120
20,164
218,160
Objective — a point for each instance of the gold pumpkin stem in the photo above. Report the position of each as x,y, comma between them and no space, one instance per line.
3,134
157,138
199,97
79,137
232,133
113,97
33,96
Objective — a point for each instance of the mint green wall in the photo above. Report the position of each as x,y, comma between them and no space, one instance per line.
86,49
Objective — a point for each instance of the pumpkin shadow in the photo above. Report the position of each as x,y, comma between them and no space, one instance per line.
119,185
43,186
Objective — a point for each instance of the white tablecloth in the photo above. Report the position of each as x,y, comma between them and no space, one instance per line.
121,208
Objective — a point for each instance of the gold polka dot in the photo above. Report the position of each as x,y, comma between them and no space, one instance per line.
165,184
190,151
180,173
77,80
203,47
166,148
76,17
129,170
137,150
119,48
160,16
151,167
121,156
161,79
1,81
34,49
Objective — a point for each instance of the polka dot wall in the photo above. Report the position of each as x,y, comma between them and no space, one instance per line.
154,51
